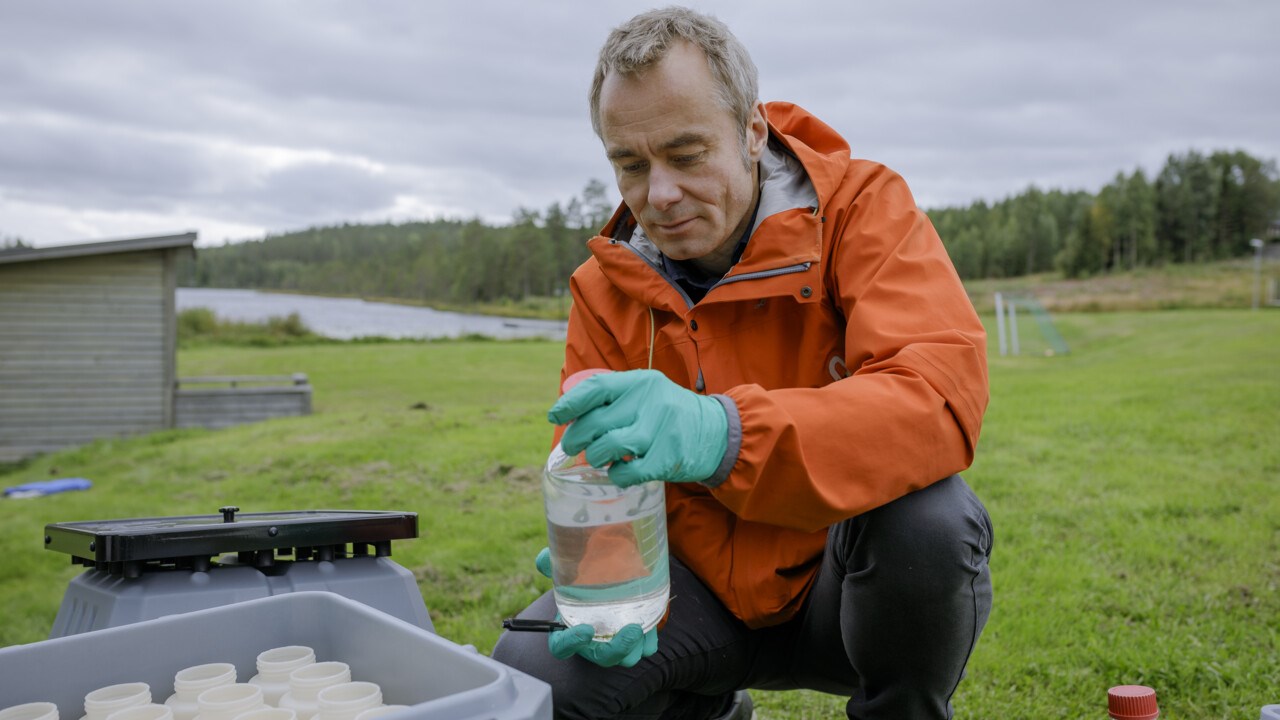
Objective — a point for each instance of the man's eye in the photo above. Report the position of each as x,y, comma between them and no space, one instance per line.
633,168
687,159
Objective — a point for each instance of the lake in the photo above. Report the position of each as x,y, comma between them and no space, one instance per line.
348,318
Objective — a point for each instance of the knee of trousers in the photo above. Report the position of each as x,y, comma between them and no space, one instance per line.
923,542
579,690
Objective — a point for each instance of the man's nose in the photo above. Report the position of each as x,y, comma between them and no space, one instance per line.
664,188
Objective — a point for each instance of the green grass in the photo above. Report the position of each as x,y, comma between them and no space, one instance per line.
1132,484
1133,488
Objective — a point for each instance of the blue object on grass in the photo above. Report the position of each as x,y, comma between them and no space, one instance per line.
47,487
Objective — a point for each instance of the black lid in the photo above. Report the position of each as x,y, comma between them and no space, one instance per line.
168,538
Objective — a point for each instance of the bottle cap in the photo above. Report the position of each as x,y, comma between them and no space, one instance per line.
566,386
1132,702
579,376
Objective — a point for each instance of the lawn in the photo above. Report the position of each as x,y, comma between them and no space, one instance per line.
1132,483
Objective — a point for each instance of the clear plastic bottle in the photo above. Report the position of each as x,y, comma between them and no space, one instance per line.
608,544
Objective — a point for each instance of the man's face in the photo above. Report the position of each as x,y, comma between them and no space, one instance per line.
679,157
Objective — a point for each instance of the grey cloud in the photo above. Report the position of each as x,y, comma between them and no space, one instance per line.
104,170
318,192
479,106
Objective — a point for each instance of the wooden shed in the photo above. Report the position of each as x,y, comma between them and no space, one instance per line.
87,342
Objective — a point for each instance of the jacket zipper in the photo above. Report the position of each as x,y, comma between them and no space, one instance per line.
757,275
788,270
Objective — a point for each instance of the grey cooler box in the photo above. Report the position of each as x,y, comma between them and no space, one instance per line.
438,679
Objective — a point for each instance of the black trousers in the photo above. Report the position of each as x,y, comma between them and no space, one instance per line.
899,602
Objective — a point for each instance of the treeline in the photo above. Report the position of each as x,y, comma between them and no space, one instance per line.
445,261
1198,208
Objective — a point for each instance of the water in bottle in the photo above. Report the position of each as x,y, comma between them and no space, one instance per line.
608,544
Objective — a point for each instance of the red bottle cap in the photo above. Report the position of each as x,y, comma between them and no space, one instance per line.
579,376
1132,702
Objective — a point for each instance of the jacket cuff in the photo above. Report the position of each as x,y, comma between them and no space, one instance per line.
732,447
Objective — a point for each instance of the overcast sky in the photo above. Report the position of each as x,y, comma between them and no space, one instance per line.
241,117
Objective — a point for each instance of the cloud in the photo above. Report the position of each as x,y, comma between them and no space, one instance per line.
276,116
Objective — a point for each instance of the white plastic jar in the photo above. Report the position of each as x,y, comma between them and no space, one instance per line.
306,682
31,711
268,713
228,701
150,711
346,701
274,667
102,702
188,683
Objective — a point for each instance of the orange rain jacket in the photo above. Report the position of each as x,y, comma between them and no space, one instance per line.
843,345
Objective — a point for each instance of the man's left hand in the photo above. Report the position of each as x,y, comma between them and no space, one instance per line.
648,427
626,648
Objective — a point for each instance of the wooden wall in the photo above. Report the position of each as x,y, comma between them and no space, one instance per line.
86,350
239,400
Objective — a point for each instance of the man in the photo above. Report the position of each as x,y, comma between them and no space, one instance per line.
801,366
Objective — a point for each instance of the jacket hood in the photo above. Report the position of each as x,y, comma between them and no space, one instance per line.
820,149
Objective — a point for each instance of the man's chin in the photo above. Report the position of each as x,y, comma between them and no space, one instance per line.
681,250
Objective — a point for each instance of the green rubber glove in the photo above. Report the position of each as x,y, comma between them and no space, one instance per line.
626,648
543,562
648,427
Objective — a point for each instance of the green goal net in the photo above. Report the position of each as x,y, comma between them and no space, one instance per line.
1013,329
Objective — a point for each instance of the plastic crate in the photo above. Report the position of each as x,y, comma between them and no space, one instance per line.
437,678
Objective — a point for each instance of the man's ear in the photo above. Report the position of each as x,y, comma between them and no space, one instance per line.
757,132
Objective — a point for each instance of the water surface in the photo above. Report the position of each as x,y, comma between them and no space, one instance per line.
348,318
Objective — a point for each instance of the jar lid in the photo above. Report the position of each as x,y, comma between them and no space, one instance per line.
579,376
1132,702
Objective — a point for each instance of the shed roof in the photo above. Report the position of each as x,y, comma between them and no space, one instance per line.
164,242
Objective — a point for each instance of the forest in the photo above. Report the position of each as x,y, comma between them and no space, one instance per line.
1198,208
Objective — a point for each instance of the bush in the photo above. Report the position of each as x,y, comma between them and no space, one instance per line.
196,322
201,326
